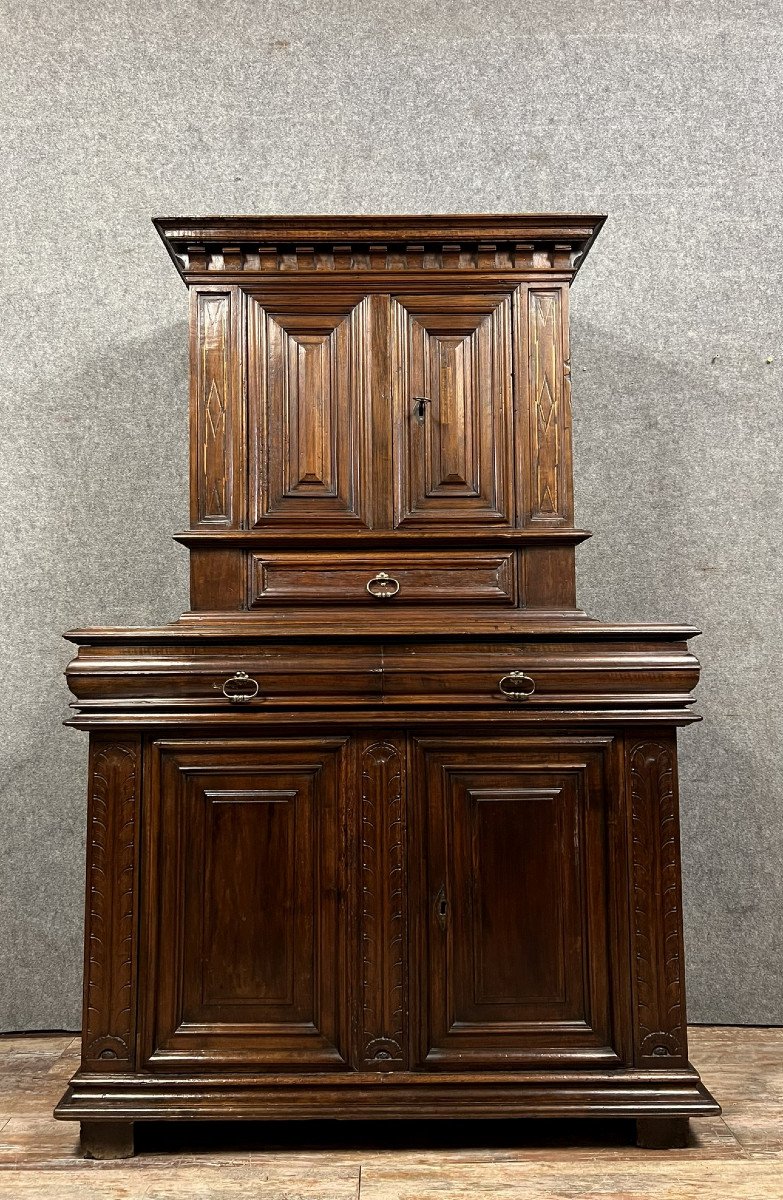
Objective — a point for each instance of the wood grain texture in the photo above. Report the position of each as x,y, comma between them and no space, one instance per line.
544,369
217,435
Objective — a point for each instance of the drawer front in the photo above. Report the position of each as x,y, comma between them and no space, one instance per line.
509,676
236,681
439,578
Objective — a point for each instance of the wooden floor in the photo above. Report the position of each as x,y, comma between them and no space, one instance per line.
738,1156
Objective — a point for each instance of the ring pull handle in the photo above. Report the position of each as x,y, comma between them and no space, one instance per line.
240,688
517,685
383,586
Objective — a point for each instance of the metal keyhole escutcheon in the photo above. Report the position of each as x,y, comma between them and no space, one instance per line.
421,403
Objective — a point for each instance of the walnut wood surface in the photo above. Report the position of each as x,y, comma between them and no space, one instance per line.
334,867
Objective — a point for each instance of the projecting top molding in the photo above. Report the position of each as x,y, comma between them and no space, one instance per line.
205,247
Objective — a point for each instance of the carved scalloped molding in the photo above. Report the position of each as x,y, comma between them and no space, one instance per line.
659,989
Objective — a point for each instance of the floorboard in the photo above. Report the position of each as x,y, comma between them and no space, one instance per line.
738,1156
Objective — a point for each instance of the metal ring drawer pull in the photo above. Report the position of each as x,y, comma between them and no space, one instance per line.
517,685
240,688
383,587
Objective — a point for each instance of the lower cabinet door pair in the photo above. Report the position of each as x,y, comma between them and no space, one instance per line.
370,903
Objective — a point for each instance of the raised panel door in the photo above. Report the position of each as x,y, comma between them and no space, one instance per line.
517,941
309,410
453,412
244,888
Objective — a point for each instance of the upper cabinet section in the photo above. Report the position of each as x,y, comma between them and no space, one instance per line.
380,373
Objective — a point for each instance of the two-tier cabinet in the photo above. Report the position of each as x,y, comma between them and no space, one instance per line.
384,826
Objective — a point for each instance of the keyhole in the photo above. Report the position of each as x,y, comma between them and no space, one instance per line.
442,909
421,403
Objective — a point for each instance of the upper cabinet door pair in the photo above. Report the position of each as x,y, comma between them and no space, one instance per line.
381,411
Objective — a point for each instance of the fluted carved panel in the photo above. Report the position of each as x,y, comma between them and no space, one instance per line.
657,908
110,917
382,915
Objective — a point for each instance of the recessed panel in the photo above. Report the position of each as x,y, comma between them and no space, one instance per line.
516,941
249,936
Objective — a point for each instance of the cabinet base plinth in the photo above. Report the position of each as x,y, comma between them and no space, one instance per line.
660,1106
107,1139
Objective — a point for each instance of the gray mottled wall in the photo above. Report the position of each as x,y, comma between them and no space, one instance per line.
664,116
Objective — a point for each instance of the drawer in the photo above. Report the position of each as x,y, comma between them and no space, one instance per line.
373,579
536,676
239,679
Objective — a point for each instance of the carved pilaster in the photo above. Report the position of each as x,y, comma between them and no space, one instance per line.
110,943
382,915
215,476
550,417
657,908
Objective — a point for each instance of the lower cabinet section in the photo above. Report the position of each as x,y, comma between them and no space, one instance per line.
384,924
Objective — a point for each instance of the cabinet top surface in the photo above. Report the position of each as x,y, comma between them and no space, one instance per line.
371,225
521,240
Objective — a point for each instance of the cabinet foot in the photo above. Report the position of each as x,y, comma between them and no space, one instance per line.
662,1133
107,1139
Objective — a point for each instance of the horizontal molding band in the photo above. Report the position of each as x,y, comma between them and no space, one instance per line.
388,538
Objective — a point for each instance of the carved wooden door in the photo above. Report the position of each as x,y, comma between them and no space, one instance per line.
243,892
514,923
453,411
309,382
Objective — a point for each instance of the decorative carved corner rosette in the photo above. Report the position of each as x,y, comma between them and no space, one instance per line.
382,916
108,1018
660,1020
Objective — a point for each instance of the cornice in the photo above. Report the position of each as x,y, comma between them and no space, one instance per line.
524,243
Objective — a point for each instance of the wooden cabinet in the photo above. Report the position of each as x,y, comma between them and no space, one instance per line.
384,825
